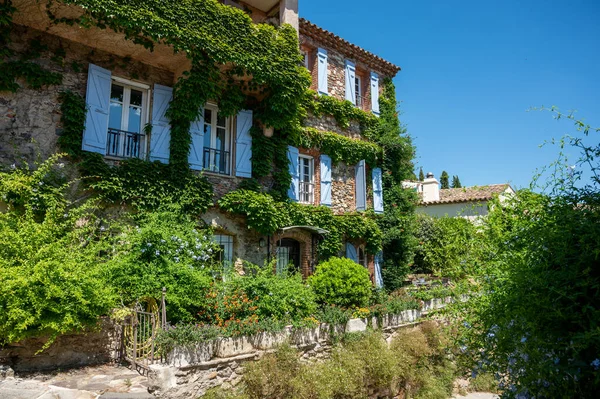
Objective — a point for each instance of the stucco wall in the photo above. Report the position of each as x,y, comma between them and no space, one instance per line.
470,210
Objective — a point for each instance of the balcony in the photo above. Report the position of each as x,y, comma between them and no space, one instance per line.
307,192
360,101
123,144
216,161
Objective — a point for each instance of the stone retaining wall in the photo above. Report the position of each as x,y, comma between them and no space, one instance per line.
190,371
97,346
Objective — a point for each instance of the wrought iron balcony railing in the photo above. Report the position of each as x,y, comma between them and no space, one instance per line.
306,194
123,144
216,161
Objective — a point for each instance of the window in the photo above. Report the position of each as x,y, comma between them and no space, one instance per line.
288,256
306,189
127,118
358,91
217,142
305,58
362,259
225,256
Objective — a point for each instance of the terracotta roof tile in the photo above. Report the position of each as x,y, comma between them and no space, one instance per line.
334,42
468,194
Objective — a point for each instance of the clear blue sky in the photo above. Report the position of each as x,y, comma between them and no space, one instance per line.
472,69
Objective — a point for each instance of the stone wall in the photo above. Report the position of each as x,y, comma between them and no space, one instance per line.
190,371
30,119
75,350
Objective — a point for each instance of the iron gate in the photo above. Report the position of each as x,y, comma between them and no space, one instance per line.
139,333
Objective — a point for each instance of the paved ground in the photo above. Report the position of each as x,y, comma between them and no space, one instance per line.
104,382
477,395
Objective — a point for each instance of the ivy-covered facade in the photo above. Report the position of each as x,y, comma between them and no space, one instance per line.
268,127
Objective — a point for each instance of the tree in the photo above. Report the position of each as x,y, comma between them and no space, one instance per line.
421,174
535,319
456,182
444,180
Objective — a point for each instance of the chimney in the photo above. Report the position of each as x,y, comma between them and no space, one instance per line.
431,188
288,13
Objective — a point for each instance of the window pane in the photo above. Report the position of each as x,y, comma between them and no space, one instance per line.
114,118
221,121
116,107
135,119
116,93
136,98
220,139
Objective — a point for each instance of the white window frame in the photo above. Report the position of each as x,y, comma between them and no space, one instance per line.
310,183
213,138
358,100
145,108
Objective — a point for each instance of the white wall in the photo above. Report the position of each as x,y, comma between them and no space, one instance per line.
469,210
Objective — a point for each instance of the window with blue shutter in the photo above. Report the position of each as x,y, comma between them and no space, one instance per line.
350,75
293,154
360,186
377,190
351,252
243,144
196,156
161,126
98,104
375,93
322,71
378,266
325,180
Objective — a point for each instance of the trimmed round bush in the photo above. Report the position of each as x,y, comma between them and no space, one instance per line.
341,282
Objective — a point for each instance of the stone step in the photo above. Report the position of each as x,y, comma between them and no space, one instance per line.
119,395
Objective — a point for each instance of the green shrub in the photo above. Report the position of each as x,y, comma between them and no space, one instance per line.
50,253
169,250
341,282
283,297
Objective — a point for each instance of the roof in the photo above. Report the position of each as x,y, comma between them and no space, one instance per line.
312,229
469,194
334,42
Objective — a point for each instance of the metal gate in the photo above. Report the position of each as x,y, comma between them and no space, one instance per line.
139,333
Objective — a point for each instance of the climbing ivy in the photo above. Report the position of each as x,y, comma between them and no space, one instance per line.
73,109
230,55
343,111
35,75
339,147
266,215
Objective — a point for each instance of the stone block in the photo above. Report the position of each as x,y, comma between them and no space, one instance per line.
305,337
356,325
183,356
230,347
270,340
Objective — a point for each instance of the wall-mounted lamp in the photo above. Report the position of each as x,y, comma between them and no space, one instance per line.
262,242
268,131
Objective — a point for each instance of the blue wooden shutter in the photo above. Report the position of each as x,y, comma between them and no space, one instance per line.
322,71
350,82
98,108
351,252
378,265
375,93
377,190
325,180
294,187
197,147
243,144
161,126
361,187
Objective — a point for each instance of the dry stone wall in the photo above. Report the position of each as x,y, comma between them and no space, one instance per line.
190,371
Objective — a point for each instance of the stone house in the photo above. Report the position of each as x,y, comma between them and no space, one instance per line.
467,202
127,87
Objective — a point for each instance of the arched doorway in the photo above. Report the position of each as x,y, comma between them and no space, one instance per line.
288,255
